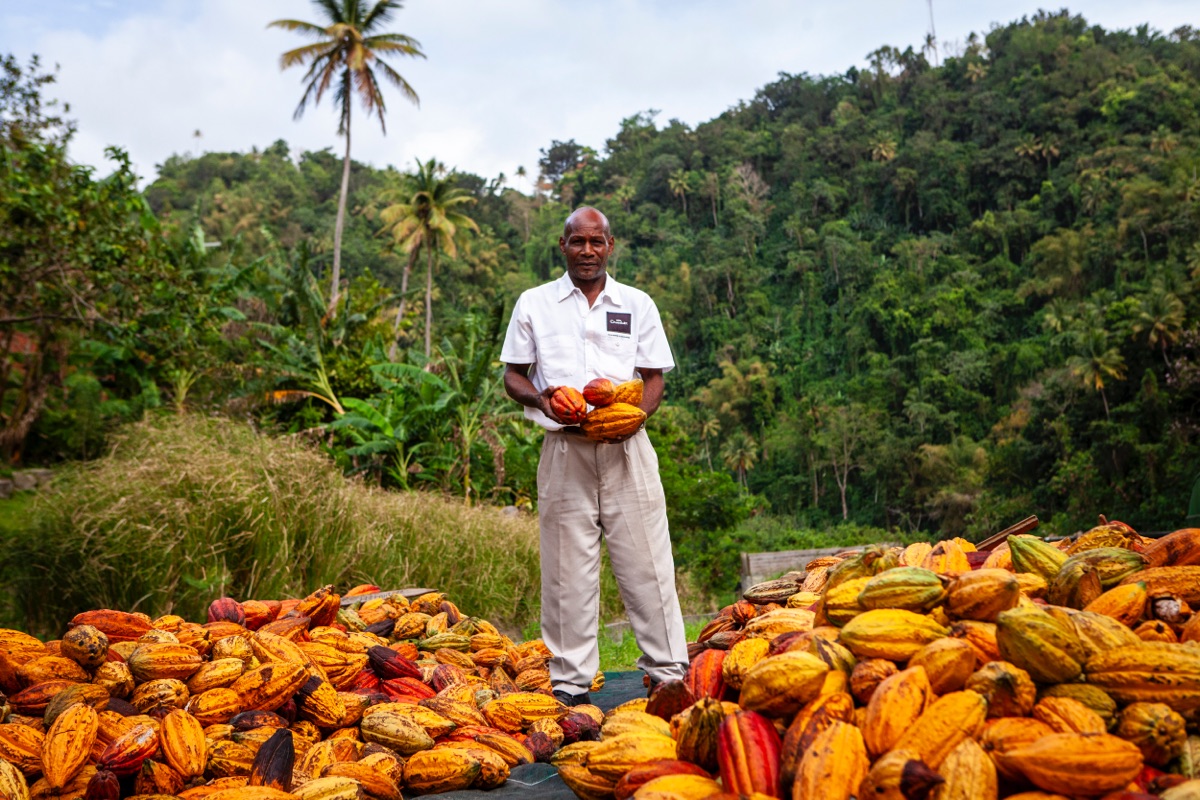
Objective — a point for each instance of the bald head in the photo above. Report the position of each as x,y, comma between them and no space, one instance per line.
585,215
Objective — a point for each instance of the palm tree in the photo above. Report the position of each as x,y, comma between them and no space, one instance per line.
740,453
429,219
1097,362
1161,316
346,55
677,182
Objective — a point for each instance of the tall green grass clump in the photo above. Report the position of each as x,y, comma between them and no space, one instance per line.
186,509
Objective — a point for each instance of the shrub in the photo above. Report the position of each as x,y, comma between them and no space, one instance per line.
186,509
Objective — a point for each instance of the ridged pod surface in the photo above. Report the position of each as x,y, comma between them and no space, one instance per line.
893,634
613,757
946,722
899,775
982,594
183,743
1077,763
897,703
808,723
947,662
833,766
779,685
1039,644
1149,672
1008,689
748,752
695,732
1157,730
68,744
910,588
12,783
612,421
968,774
629,391
1067,715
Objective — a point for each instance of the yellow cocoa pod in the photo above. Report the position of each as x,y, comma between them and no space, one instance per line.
1091,696
1001,735
12,783
613,757
514,711
612,421
910,588
780,620
330,788
1097,633
1152,672
914,555
151,661
840,604
633,722
677,787
740,658
396,730
779,685
629,392
1039,644
585,783
1126,604
889,633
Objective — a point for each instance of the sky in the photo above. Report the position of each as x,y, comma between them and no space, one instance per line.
501,78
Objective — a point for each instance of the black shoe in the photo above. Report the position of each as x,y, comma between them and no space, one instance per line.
570,700
653,684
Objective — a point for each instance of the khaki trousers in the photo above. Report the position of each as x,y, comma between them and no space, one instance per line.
588,490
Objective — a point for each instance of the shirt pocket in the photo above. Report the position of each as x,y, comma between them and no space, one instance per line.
558,357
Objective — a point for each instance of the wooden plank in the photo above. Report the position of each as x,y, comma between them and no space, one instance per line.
1024,526
758,567
362,598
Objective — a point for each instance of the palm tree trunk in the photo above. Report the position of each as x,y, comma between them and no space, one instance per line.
341,220
429,304
412,259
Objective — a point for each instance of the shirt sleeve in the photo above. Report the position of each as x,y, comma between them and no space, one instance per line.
653,350
519,346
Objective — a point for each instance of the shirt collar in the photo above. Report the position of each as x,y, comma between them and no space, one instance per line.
611,290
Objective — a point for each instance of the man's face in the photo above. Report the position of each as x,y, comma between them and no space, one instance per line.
587,247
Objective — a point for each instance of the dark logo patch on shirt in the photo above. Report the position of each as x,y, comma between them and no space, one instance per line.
620,323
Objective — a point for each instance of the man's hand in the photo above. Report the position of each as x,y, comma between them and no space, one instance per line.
521,389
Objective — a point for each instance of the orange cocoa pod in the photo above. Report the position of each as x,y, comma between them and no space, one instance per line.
21,746
1067,715
945,722
613,421
1008,689
86,645
897,703
982,594
1153,630
834,765
1157,730
809,722
1182,582
321,606
183,744
1077,763
151,662
969,774
999,736
118,626
600,392
441,770
568,404
157,779
899,775
948,663
215,706
68,744
270,686
33,700
51,668
869,673
982,638
637,777
748,751
1126,603
1178,549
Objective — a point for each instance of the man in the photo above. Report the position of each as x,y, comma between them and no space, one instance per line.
582,326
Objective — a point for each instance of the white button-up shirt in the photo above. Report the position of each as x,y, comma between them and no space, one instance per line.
570,344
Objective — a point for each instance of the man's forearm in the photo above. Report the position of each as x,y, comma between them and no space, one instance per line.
652,390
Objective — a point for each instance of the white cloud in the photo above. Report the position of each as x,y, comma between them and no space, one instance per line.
501,80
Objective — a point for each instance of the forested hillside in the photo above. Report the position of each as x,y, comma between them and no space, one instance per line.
920,297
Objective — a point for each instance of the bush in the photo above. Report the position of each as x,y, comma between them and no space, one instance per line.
186,509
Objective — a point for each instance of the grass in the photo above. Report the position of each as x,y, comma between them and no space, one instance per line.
186,509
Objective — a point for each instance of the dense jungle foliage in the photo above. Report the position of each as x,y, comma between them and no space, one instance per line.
927,298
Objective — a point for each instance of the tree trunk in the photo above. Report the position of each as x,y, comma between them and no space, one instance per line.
412,259
341,220
429,302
